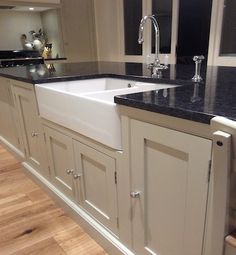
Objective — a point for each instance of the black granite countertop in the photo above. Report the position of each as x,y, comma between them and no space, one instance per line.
215,96
54,59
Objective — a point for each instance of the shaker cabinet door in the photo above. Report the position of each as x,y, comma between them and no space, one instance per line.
30,127
8,123
61,161
96,183
169,183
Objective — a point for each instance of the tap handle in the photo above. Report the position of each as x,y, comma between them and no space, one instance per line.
198,59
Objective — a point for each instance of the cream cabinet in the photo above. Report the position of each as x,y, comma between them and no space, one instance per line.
8,120
30,126
61,160
157,187
96,183
169,188
85,175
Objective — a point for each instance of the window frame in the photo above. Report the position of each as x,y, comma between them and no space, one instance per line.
146,49
214,57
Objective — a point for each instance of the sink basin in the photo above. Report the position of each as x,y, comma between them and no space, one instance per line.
88,107
87,86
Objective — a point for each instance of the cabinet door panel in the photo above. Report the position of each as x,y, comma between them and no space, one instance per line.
8,126
30,127
97,188
170,169
60,154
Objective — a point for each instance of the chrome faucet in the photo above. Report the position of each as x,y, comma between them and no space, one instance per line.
156,66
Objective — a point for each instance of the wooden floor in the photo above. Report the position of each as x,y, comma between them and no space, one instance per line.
31,223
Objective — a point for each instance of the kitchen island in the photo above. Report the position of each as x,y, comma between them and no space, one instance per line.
163,175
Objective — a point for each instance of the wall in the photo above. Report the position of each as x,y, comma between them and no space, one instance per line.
79,30
13,24
108,29
52,27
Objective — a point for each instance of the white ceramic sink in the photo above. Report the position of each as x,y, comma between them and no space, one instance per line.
87,86
88,107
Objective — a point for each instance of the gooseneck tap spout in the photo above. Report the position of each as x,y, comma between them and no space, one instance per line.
157,34
156,66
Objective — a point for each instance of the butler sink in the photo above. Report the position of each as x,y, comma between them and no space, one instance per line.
88,107
87,86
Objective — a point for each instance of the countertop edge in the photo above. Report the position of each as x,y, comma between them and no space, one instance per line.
170,111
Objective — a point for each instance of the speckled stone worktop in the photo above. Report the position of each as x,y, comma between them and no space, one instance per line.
215,96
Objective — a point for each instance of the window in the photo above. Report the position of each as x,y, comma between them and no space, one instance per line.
228,35
167,16
132,17
222,47
163,12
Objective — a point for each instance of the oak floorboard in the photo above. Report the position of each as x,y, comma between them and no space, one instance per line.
30,221
76,243
46,247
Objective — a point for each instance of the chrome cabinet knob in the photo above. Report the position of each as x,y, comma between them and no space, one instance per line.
135,194
34,134
70,171
76,176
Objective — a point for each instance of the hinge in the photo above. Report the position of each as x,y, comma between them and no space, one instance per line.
25,151
44,135
209,170
49,170
115,176
117,222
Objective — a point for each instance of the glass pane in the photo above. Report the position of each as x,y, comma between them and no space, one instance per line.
163,11
193,30
228,36
132,17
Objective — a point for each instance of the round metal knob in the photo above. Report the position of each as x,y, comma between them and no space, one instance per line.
76,176
69,171
34,134
135,194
